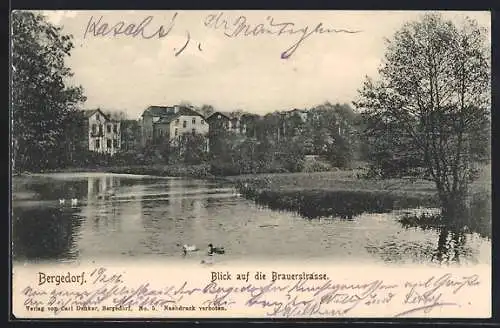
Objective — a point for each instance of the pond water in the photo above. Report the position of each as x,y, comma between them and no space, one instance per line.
143,217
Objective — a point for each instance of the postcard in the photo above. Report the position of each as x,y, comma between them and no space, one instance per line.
251,164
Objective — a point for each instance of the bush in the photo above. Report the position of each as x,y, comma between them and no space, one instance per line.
316,166
221,168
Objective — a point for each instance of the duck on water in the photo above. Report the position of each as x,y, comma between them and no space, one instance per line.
212,250
215,250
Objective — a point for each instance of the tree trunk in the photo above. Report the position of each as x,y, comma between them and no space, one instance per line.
453,208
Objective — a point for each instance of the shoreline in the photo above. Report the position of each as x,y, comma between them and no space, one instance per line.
175,171
314,182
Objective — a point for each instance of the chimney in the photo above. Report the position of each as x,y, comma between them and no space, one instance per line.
176,109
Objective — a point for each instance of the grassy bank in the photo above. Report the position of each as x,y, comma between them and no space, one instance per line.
342,193
335,193
348,180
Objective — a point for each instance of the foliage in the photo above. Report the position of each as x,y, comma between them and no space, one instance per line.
170,170
315,166
428,114
130,135
43,106
331,129
206,110
279,141
192,148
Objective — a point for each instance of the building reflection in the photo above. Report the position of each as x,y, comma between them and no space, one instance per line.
174,214
101,210
113,212
101,187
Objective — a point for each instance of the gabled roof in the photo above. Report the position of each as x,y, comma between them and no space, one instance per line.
158,110
218,113
298,110
230,115
89,112
167,113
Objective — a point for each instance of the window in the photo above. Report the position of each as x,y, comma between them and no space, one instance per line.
108,143
176,132
115,143
193,131
161,133
100,128
194,120
108,128
97,116
184,124
177,122
115,128
97,143
202,122
94,128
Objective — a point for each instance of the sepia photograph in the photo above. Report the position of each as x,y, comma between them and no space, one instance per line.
195,141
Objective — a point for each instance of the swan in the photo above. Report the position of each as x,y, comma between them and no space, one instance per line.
74,201
61,201
189,248
215,250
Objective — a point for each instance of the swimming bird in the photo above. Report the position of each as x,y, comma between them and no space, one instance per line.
215,250
74,202
189,248
61,201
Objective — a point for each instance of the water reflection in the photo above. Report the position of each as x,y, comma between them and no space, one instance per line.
455,234
343,204
451,247
447,241
130,216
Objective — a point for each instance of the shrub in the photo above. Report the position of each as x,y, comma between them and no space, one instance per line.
316,166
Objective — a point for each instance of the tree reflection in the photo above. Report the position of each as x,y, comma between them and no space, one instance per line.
451,247
342,203
44,233
453,231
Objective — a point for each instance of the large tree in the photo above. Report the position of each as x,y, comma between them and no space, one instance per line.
43,106
427,114
330,128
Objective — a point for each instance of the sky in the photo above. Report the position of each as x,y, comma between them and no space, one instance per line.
127,73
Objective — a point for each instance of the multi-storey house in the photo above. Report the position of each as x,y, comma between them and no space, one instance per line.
160,123
103,134
233,122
